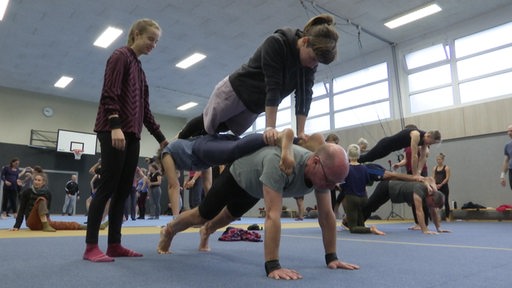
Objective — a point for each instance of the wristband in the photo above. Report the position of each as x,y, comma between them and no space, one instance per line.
269,128
502,175
271,266
114,122
329,257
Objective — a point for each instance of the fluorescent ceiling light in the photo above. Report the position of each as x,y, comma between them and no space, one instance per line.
63,82
413,16
3,7
190,60
187,106
107,37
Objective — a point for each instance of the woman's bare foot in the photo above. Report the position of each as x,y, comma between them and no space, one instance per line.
204,236
166,236
285,141
376,231
415,227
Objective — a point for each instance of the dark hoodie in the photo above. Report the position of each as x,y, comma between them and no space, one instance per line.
27,199
273,73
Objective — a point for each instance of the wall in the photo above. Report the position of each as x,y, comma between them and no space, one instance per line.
20,111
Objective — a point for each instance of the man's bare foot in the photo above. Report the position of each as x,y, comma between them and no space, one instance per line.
285,141
165,240
376,231
203,241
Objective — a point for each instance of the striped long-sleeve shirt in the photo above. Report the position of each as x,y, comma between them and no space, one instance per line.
125,93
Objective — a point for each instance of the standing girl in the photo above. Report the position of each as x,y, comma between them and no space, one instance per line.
155,191
123,108
442,176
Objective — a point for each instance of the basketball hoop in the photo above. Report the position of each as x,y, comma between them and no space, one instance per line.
78,153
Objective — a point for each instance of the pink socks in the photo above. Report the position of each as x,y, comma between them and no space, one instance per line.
116,250
94,254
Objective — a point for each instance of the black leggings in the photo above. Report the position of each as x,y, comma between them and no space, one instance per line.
226,192
195,127
117,172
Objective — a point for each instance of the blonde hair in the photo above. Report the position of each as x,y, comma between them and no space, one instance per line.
353,151
43,175
441,155
141,26
323,37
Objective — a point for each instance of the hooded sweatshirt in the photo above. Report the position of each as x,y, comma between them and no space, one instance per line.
273,73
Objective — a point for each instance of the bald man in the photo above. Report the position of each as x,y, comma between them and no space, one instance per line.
257,176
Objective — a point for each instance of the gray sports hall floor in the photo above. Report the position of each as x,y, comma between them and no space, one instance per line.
475,254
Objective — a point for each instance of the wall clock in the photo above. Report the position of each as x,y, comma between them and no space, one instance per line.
48,111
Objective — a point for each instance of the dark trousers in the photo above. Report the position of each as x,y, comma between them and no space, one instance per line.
9,199
195,127
141,202
379,196
446,191
130,206
195,193
118,170
226,192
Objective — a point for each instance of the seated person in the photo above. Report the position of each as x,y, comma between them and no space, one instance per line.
34,205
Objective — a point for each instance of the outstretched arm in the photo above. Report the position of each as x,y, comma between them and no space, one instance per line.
327,222
415,140
504,169
273,208
301,124
418,203
434,215
389,175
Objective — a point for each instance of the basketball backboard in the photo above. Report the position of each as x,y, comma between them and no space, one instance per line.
68,140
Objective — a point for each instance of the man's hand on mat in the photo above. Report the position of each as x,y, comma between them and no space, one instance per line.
286,274
342,265
443,231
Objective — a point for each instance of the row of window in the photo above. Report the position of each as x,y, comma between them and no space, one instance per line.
474,68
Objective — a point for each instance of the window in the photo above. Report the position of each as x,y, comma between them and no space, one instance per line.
482,41
431,100
430,78
484,64
361,115
427,56
361,96
486,88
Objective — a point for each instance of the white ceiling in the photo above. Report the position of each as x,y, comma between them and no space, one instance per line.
44,39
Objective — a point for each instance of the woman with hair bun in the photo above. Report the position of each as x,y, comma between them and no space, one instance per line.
284,63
